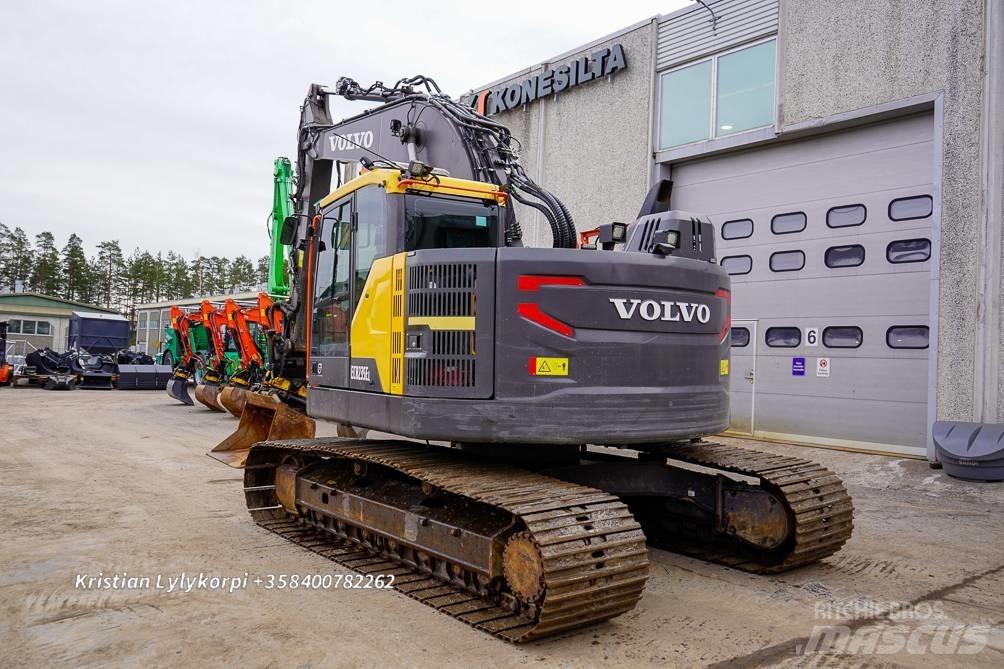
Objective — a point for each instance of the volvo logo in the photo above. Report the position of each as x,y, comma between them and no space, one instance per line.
664,310
352,140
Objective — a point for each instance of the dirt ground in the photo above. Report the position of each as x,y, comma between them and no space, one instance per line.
112,483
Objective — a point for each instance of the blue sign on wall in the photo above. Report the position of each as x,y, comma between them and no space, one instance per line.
798,366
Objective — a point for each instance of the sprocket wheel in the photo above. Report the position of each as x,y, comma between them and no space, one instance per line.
523,567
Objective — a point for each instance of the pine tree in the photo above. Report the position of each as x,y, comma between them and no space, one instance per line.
15,259
46,272
243,276
78,282
219,271
109,269
198,274
262,269
179,281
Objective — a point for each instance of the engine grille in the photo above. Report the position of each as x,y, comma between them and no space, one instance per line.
448,357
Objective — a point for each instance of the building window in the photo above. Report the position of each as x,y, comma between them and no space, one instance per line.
909,208
851,255
740,229
737,264
685,112
907,336
745,89
842,337
740,337
908,250
787,261
786,224
743,99
845,217
783,337
29,327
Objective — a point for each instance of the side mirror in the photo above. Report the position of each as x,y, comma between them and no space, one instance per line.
288,234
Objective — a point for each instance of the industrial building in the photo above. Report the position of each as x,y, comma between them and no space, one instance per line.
38,321
850,156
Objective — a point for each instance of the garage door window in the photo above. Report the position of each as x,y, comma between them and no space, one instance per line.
908,250
845,217
907,336
842,337
909,208
740,229
722,95
737,264
783,337
787,261
740,337
851,255
786,224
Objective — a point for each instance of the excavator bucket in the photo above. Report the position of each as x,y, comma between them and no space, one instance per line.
177,388
265,418
209,394
234,399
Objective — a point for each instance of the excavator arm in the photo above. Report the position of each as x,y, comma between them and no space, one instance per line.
182,322
282,209
215,323
254,331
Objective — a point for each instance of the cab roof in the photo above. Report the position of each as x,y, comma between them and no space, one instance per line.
396,183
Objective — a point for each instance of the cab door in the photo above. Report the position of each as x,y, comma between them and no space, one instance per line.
332,298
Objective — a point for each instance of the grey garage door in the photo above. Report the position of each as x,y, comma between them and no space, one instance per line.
828,241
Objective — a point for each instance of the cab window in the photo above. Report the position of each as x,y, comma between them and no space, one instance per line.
371,233
329,333
444,222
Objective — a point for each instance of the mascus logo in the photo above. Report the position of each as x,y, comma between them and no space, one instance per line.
661,310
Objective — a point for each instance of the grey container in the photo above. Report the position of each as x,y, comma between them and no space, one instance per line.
971,451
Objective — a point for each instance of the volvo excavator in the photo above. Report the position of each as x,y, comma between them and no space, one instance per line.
549,405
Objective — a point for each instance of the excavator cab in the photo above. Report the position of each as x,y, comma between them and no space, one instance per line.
354,262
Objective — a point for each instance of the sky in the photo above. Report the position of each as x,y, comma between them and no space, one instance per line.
156,123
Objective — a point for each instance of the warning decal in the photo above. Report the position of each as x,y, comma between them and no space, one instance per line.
548,366
823,367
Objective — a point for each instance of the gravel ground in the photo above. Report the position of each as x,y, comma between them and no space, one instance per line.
112,483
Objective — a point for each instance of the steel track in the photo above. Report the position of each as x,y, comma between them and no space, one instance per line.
595,561
820,511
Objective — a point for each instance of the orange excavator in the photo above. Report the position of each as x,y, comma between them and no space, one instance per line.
183,322
253,330
214,320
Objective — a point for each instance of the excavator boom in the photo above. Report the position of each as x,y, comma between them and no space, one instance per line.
182,323
208,391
